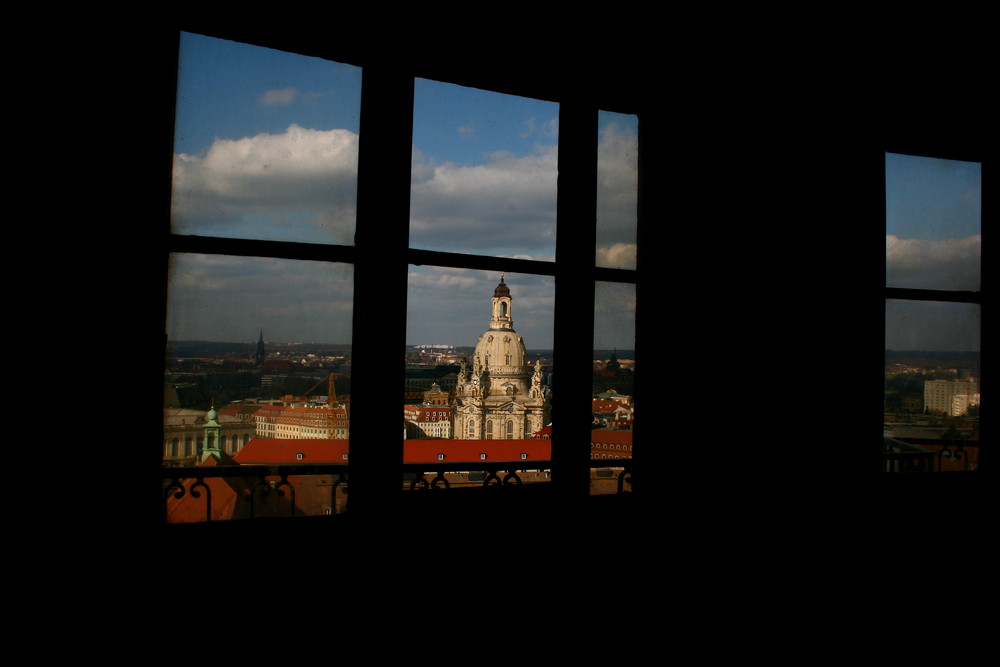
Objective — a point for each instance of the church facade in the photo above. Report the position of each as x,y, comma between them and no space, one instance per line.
501,397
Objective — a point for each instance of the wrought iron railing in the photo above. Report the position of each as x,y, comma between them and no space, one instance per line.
179,482
258,481
929,455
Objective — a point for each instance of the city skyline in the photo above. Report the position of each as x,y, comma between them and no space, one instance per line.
460,296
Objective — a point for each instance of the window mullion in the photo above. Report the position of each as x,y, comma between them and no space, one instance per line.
380,286
574,315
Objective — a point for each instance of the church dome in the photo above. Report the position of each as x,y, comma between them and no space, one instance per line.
500,396
502,352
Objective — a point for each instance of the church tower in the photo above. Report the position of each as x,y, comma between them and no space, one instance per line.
261,355
501,318
212,442
502,396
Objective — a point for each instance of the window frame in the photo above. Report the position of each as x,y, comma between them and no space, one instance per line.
381,254
930,145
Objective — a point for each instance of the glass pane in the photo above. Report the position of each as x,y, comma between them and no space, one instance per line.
932,373
484,172
258,372
266,144
479,365
613,402
617,190
933,223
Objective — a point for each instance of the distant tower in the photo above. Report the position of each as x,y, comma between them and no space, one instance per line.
261,355
212,445
613,365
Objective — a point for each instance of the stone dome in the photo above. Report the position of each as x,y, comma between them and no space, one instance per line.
502,352
502,357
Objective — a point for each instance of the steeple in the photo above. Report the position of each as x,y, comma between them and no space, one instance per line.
261,355
213,436
501,318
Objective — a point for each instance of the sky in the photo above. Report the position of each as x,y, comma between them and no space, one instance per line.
933,241
266,147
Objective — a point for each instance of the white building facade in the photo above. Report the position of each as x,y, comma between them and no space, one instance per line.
502,396
950,397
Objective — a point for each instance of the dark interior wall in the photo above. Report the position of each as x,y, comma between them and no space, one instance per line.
762,166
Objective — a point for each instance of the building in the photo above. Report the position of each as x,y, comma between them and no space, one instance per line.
184,434
613,413
951,397
610,444
302,421
430,419
502,397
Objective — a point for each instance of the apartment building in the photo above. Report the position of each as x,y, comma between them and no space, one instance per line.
951,397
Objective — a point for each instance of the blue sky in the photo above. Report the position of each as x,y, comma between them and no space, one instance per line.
933,241
932,199
225,92
933,223
266,147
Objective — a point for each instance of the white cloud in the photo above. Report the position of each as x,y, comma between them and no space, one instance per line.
547,130
944,264
617,198
278,97
620,255
299,185
502,207
444,279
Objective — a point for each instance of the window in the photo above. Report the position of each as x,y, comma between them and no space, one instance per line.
265,160
483,199
933,313
266,144
615,301
313,251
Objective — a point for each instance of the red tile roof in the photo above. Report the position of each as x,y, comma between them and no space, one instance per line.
280,451
287,451
224,494
427,451
610,437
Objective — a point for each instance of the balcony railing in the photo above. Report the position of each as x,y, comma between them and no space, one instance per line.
255,484
929,455
274,490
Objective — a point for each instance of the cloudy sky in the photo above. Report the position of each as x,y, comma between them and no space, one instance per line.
266,147
933,241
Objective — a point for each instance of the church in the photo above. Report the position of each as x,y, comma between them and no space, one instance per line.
501,397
